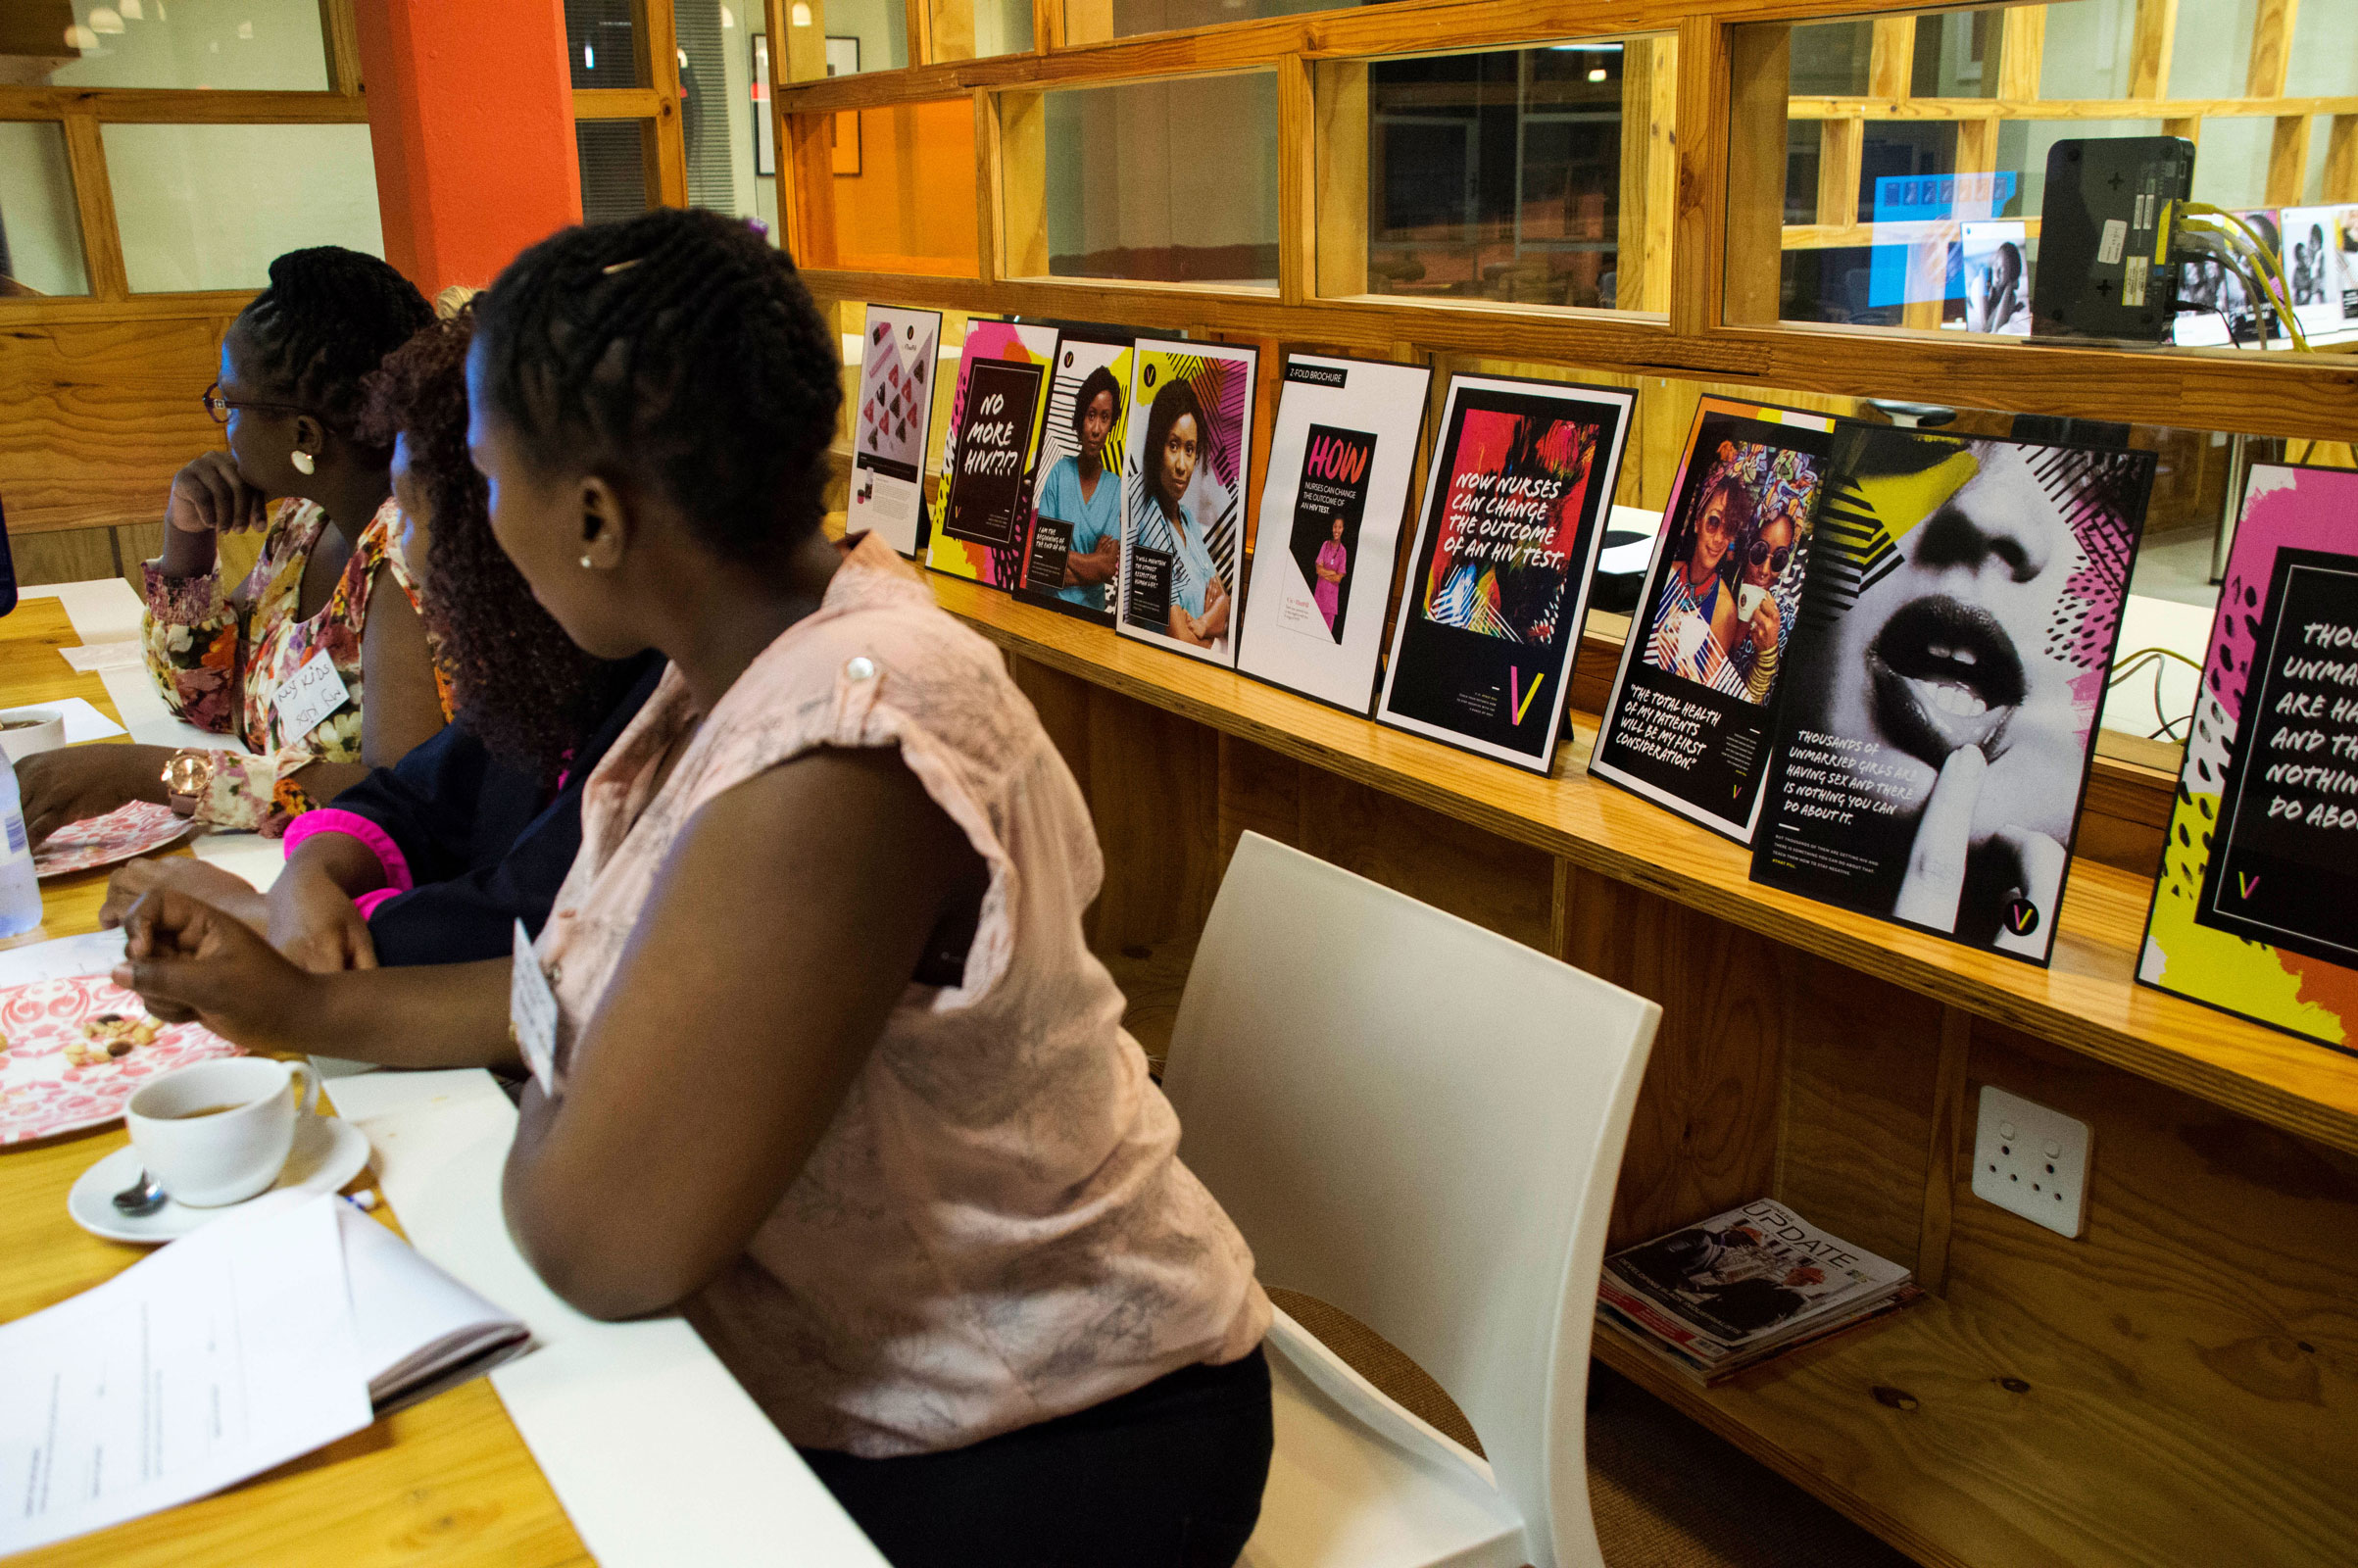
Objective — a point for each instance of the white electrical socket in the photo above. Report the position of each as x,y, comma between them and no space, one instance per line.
2031,1160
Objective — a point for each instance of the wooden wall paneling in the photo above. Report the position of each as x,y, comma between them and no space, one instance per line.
1022,184
990,180
1944,1150
1698,246
69,555
1500,885
1760,69
1704,1134
94,205
1155,795
2342,160
1338,185
100,414
1298,206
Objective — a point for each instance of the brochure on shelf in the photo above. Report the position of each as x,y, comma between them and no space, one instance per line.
2215,306
1341,460
1189,443
2260,867
891,425
2321,268
1695,700
1963,600
1499,578
995,418
1073,527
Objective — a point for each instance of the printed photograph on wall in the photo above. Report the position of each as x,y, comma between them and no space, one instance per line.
1342,455
2260,867
1693,703
1498,579
995,416
1957,624
1190,439
1072,554
900,357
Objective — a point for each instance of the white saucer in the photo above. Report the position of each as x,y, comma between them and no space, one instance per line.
327,1153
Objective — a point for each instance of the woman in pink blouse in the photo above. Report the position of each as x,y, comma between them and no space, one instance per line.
834,1072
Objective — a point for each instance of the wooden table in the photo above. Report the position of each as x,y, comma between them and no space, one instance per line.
446,1482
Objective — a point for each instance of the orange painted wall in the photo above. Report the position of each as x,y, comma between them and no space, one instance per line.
470,114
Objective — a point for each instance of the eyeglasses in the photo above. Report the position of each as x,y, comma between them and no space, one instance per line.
1761,555
219,408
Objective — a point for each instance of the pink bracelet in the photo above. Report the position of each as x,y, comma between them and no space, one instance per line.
367,903
329,819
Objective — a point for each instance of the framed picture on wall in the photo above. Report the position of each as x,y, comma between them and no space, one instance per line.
843,60
766,130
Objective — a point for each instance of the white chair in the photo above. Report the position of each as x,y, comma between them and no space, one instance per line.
1420,1122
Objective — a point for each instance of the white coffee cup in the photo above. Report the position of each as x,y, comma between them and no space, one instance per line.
40,728
218,1132
1748,600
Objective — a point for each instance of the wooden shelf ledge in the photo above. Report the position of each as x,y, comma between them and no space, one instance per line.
2088,1002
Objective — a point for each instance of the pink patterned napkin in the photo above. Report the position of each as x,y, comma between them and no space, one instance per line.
121,833
73,1050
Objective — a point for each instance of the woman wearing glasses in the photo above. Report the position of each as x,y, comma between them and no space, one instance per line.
279,663
1764,621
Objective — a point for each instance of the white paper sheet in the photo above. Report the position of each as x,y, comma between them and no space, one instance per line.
92,952
656,1454
84,721
227,1352
105,656
247,854
102,609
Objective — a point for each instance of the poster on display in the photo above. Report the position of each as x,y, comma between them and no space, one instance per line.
899,358
1994,258
1188,440
1695,703
1942,691
978,520
2321,268
2260,867
1499,578
1072,548
2214,304
1340,459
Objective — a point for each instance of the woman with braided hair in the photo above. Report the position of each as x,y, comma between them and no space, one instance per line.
290,396
832,1070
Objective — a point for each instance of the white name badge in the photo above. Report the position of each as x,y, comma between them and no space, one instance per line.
532,1014
313,691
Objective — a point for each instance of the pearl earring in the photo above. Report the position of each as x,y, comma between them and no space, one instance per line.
587,564
303,460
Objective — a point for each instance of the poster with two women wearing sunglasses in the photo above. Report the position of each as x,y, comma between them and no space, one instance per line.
1942,688
1694,705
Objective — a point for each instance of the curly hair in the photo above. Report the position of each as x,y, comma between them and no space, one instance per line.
677,350
1097,380
329,317
527,693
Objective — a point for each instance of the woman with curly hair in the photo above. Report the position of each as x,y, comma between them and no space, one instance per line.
315,602
433,861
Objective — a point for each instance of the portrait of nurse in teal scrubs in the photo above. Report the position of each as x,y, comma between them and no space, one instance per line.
1079,493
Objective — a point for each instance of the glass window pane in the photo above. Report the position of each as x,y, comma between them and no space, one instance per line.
899,196
1508,176
614,167
1936,213
724,110
1166,182
1095,21
861,35
1002,27
203,207
251,44
602,44
40,230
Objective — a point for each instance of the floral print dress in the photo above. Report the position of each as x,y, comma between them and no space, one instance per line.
220,660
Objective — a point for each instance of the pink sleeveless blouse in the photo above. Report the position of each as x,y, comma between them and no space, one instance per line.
995,1229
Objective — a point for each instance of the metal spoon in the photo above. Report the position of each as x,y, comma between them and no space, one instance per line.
143,1197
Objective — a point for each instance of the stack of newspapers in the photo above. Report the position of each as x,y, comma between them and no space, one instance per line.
1743,1287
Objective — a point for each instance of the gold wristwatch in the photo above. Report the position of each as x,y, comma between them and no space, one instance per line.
188,780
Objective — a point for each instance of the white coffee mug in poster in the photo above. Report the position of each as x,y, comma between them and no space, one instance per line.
899,359
1341,460
1189,442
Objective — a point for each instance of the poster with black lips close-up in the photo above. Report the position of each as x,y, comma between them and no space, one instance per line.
1963,601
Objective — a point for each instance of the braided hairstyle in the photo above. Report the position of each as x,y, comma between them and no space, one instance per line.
329,318
527,693
677,350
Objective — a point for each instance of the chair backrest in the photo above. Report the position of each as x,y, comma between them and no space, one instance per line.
1418,1121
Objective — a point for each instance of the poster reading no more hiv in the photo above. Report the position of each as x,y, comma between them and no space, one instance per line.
978,530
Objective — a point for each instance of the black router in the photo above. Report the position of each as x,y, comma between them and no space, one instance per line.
2105,234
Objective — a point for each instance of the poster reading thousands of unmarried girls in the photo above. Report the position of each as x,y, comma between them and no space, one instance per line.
894,421
1963,601
1183,515
1498,579
1695,703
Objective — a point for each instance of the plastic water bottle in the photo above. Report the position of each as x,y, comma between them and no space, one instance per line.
20,888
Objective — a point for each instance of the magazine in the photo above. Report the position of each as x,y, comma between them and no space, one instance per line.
995,418
1073,530
1341,460
2260,867
1963,600
892,424
1745,1285
1695,700
1190,440
1498,585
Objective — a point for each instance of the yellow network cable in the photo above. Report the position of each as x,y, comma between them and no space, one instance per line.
2205,218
